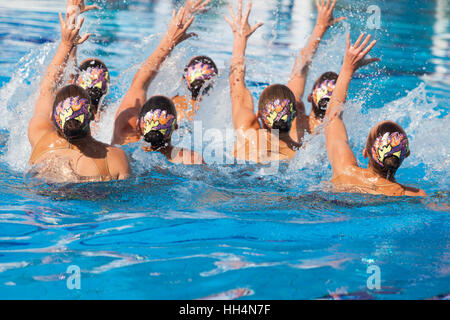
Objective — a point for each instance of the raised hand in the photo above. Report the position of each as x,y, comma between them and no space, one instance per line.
325,13
239,24
78,6
178,27
70,32
355,54
194,6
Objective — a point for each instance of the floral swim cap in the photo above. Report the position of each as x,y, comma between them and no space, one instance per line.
395,144
158,120
323,90
72,108
95,77
279,111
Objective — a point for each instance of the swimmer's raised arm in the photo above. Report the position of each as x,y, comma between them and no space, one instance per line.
126,117
241,98
300,72
339,152
42,118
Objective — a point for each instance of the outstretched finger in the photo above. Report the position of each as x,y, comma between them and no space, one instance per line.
371,60
333,5
203,5
229,22
370,47
230,7
317,4
187,36
359,40
188,24
79,24
348,41
328,4
72,21
240,10
61,21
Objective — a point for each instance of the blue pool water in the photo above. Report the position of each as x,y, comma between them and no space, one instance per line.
230,231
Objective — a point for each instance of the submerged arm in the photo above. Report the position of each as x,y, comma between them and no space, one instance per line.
241,98
339,151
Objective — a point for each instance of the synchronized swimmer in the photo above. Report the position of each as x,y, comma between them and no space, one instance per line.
60,131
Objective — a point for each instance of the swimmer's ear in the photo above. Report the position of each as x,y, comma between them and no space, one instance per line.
365,153
310,98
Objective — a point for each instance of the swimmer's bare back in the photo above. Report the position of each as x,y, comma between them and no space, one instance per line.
56,160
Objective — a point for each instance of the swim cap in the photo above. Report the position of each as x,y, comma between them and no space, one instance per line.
322,91
158,120
279,114
75,108
94,77
395,144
